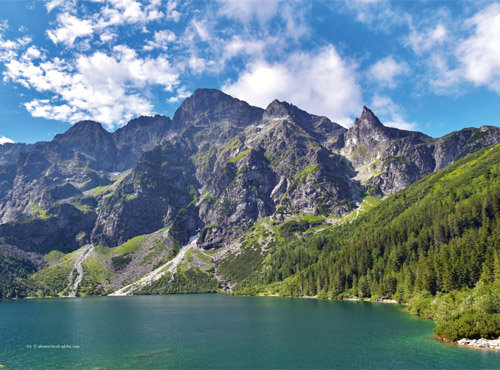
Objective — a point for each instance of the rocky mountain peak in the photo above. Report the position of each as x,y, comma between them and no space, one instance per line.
209,106
86,127
314,125
281,110
158,119
368,119
277,109
82,132
90,139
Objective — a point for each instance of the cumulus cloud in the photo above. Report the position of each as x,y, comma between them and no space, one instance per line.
110,88
4,140
69,29
114,13
479,54
123,12
385,71
392,115
320,82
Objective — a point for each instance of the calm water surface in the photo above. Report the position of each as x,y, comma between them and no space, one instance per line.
216,331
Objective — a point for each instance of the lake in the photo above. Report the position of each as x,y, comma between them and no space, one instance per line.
218,331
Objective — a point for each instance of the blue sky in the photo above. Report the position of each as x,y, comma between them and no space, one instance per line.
430,66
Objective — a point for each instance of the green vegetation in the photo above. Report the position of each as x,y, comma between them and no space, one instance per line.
106,190
300,224
53,256
119,262
478,134
52,280
236,267
240,156
440,235
129,246
95,272
189,281
84,208
14,270
209,199
37,212
469,313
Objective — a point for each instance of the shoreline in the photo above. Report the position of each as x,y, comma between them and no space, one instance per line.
489,344
482,343
350,299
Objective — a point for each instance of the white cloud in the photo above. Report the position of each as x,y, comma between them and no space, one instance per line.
114,13
393,116
161,39
428,39
69,29
4,140
378,15
107,36
52,4
296,27
9,48
197,65
248,10
479,54
201,29
122,12
384,71
32,53
320,82
109,88
442,78
238,46
172,13
182,93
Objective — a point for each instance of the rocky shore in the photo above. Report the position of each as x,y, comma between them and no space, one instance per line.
480,343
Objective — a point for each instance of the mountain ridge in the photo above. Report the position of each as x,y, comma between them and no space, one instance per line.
218,169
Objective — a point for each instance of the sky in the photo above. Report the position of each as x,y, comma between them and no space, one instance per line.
431,66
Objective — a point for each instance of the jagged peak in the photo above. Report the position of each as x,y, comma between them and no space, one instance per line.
282,109
368,119
277,109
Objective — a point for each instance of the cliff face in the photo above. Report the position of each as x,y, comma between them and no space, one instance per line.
216,169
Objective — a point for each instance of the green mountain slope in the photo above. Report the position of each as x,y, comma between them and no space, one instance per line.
439,235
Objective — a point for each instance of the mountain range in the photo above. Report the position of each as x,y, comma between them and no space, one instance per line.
172,205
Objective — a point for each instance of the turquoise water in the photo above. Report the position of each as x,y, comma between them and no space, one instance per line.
216,331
